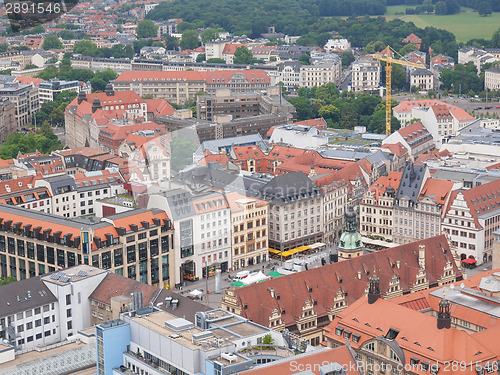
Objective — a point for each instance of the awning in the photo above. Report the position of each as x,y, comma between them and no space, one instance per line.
317,245
469,261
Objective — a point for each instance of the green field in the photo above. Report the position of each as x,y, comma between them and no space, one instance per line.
465,25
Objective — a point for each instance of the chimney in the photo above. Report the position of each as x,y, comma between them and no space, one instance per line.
81,97
96,105
373,289
398,263
421,256
168,301
175,303
444,316
109,90
359,275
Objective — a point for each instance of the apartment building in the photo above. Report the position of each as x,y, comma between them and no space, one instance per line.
48,91
415,138
423,79
492,78
24,98
321,73
181,86
295,211
134,244
471,219
336,190
225,106
365,75
87,114
13,57
478,56
217,342
202,238
249,220
288,74
407,195
376,208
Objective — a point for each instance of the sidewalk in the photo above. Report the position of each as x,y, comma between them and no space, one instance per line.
214,299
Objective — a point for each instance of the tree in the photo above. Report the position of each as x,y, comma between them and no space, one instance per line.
398,77
348,116
201,57
189,39
209,35
170,42
302,107
101,79
495,39
484,9
329,112
347,58
30,66
52,42
7,280
146,29
38,29
242,55
305,59
85,48
66,35
440,8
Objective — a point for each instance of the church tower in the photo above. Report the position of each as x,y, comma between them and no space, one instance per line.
350,244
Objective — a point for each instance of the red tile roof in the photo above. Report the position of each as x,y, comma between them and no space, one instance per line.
320,123
422,338
378,188
230,48
439,190
160,107
115,285
407,105
481,199
412,38
29,80
322,284
397,149
208,77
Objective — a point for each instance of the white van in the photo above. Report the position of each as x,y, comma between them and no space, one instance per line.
241,275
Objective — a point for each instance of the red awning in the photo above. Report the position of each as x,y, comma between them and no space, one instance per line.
469,261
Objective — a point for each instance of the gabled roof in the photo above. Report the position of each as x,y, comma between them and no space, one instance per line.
481,199
407,105
415,134
439,190
24,295
379,187
418,333
322,284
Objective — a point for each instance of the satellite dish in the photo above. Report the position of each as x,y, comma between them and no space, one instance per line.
452,286
462,285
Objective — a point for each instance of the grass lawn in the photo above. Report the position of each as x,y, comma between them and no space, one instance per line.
465,25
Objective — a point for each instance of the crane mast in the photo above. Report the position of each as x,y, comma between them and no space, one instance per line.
388,82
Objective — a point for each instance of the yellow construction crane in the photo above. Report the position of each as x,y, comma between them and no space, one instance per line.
388,73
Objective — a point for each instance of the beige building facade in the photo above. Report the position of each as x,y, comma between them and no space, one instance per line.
249,220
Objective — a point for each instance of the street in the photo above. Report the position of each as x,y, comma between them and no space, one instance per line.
214,299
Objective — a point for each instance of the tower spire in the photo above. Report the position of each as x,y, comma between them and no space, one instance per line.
444,316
